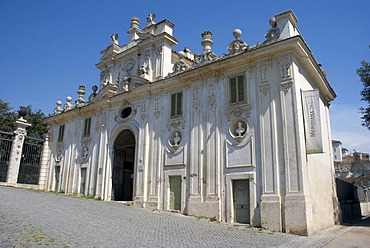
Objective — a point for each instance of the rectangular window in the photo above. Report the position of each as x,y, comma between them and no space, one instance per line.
87,127
176,104
236,89
61,133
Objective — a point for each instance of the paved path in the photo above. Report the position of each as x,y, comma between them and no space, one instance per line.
350,236
40,219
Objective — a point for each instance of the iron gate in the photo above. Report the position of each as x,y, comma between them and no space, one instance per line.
29,169
6,140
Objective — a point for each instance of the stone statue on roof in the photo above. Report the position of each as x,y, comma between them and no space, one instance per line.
274,32
237,45
150,19
114,38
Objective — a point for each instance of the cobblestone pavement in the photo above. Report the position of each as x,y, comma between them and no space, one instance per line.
39,219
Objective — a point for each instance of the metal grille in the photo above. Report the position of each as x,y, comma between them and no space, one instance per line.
5,147
29,169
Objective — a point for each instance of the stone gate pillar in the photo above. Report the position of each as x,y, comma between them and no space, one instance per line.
45,159
17,146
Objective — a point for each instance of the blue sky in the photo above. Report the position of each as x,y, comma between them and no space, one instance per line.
48,48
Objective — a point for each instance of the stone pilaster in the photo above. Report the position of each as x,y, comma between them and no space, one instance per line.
297,204
270,199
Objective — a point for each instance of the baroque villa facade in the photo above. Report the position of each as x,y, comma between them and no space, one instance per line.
243,137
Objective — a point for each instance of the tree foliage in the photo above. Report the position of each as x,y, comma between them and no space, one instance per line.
7,117
35,118
364,73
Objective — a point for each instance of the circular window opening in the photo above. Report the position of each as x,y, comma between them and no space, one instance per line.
126,112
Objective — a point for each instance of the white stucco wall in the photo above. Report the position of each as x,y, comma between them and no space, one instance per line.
289,190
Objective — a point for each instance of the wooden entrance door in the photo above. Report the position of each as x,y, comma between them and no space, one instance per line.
83,181
57,174
241,201
175,193
123,167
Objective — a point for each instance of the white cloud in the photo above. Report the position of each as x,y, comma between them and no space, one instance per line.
346,127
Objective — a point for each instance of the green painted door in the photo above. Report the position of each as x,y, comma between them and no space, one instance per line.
175,192
83,181
241,201
57,174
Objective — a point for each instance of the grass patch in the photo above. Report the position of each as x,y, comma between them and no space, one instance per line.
213,219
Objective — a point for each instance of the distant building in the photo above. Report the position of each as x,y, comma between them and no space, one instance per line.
337,151
243,137
355,168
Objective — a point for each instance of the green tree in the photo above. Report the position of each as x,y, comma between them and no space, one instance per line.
34,117
364,73
7,117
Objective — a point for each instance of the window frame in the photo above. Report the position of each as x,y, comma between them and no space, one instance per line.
176,111
61,133
87,127
237,95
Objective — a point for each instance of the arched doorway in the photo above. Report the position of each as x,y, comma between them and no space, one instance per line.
123,167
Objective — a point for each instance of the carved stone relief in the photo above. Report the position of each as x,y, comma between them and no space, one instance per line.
286,73
264,88
176,124
60,152
211,95
159,51
143,108
129,66
143,71
105,76
158,61
286,85
84,153
196,100
238,111
263,73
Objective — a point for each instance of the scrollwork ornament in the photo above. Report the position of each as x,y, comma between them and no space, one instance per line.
287,85
265,88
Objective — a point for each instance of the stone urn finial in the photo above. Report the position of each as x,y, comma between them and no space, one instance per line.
273,22
22,112
135,22
274,32
94,89
207,41
80,92
237,45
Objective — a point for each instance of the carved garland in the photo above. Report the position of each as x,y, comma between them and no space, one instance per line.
238,111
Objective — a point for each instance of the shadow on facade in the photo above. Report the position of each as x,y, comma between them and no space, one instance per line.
349,202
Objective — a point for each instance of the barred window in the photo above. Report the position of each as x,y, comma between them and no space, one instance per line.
237,89
176,105
61,133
